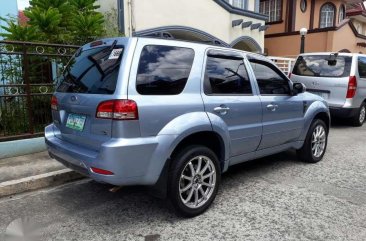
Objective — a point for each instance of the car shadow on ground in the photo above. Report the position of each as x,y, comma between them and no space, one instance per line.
95,205
337,123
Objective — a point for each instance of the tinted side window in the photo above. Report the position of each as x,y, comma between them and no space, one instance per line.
269,80
362,67
226,76
163,70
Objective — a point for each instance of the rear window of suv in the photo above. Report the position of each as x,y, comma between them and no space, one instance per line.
319,66
163,70
93,71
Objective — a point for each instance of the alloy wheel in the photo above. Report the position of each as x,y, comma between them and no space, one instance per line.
197,181
362,114
318,141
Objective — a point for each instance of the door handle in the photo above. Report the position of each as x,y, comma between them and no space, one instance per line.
222,109
272,107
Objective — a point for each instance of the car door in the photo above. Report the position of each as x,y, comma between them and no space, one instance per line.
228,96
283,113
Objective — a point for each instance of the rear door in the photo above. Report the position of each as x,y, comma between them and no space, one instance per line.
283,113
90,78
324,77
228,94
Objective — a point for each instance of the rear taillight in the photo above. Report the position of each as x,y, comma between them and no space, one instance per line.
118,110
289,75
101,171
352,87
54,103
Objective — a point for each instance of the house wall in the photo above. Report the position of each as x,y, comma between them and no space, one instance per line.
281,26
342,40
106,5
360,26
289,46
302,19
204,15
284,43
318,5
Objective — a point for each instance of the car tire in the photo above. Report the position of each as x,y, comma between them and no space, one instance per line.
192,187
359,118
315,143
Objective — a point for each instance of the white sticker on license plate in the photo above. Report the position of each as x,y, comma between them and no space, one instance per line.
76,122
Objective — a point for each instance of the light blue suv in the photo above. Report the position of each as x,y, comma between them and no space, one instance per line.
175,115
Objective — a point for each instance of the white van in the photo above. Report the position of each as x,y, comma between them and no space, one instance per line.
340,78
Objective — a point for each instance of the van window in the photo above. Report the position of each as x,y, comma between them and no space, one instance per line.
93,71
270,80
320,66
163,70
226,76
362,67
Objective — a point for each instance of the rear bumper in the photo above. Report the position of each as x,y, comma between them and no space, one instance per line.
343,112
133,161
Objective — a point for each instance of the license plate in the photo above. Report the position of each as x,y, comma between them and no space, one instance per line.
324,95
76,122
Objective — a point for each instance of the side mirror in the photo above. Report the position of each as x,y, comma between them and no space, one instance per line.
298,88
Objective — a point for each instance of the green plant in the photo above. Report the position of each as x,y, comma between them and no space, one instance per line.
58,21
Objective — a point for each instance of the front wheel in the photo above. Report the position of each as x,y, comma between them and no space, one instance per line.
315,143
359,118
194,180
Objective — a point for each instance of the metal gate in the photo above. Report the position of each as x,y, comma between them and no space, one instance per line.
29,73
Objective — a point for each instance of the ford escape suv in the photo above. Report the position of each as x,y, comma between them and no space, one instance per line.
340,78
175,115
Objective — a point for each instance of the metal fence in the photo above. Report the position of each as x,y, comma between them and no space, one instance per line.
28,75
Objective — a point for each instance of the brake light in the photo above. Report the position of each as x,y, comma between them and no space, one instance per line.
352,87
118,110
54,103
101,171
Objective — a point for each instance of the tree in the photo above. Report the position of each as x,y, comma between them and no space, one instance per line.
58,21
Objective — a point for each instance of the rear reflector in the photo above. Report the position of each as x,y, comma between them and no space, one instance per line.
118,110
352,87
54,103
101,171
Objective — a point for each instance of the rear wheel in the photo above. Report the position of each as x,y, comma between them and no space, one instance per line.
194,180
359,118
315,143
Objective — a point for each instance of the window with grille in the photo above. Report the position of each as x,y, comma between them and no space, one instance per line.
271,8
237,3
327,16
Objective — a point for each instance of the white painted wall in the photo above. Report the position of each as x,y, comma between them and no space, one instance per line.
205,15
106,5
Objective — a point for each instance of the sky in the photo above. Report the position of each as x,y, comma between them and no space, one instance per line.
22,4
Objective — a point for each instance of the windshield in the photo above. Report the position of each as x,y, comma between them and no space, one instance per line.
93,71
319,65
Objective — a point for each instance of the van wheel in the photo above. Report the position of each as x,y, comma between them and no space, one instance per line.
315,143
359,118
194,180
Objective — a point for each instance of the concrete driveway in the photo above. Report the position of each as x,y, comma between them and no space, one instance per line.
274,198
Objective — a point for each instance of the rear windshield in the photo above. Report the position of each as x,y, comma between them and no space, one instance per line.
320,66
93,71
